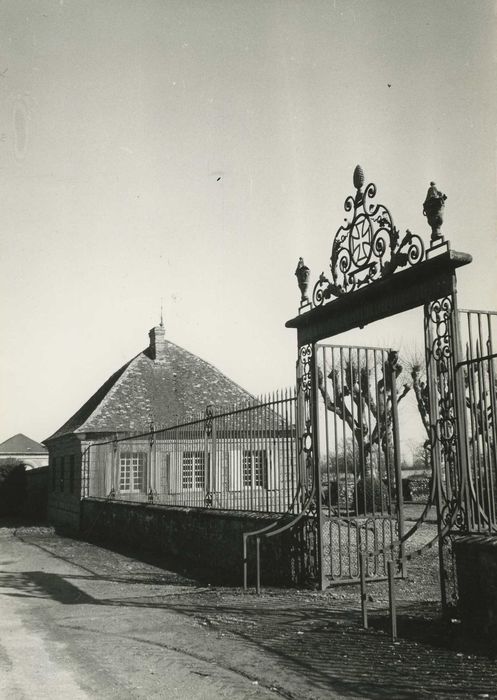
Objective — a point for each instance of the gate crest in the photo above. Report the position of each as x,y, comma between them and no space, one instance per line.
367,247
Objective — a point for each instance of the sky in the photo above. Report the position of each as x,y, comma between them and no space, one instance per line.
191,151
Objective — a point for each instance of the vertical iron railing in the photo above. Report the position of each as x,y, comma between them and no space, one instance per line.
241,458
360,477
479,375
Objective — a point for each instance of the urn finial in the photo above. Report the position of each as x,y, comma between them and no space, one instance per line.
433,209
302,273
358,177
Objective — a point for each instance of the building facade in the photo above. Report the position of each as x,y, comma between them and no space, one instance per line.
162,386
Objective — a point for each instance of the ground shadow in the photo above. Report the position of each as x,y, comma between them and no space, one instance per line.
321,642
424,623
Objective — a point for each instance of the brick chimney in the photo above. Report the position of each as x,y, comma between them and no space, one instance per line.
157,345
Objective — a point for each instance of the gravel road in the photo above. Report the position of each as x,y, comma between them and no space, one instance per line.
80,621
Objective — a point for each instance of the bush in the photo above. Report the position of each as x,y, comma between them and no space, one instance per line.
339,493
371,495
416,488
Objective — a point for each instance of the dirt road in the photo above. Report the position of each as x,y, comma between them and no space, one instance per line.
78,621
68,632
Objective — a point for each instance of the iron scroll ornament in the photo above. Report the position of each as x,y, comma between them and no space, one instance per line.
367,247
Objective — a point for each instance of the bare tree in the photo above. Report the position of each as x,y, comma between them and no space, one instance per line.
361,396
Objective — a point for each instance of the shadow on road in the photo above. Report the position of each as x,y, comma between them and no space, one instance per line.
324,644
315,637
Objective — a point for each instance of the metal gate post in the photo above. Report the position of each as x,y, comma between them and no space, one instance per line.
448,430
436,460
84,471
460,410
208,422
393,357
317,470
308,460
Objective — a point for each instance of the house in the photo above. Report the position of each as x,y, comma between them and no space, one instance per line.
23,449
162,386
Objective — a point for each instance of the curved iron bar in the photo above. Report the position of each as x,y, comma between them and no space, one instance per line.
267,528
449,520
441,534
448,523
406,536
304,511
483,516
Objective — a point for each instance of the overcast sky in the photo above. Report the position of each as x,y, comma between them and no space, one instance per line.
193,150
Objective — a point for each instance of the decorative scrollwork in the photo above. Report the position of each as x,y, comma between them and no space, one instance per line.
305,438
453,514
367,247
305,359
440,355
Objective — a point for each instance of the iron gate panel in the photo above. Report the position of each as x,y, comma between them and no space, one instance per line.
360,502
479,369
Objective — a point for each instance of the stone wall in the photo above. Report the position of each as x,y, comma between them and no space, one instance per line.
64,483
476,565
36,495
205,541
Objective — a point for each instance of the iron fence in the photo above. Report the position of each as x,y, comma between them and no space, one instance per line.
360,494
478,331
243,459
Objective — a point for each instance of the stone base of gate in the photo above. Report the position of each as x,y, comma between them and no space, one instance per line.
203,542
476,567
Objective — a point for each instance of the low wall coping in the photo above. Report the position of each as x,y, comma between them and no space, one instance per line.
480,540
212,512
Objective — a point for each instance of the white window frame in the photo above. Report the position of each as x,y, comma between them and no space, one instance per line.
255,469
194,479
132,461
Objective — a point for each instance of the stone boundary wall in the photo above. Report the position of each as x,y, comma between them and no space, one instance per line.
203,540
476,565
35,504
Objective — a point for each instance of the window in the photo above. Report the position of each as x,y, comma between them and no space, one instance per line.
132,470
54,473
71,474
62,475
254,468
193,470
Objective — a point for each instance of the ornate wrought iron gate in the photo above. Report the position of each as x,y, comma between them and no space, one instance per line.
479,377
359,487
369,284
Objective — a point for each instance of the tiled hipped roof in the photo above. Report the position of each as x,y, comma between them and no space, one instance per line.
20,444
166,391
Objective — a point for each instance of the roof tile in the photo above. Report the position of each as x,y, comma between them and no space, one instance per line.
165,391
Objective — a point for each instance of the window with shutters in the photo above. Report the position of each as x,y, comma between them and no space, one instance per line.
132,471
193,470
254,468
